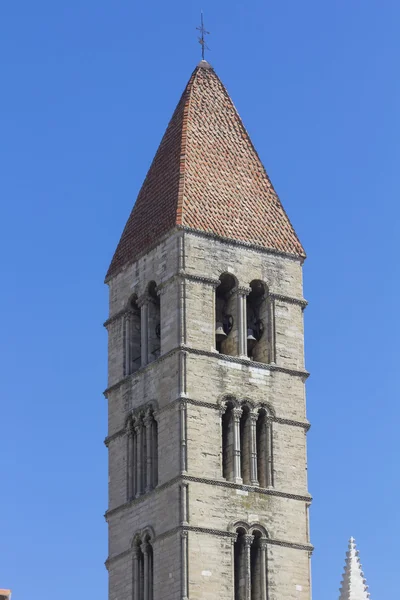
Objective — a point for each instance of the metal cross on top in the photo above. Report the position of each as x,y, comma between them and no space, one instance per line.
202,40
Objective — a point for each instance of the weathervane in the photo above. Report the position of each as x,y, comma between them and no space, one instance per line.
202,40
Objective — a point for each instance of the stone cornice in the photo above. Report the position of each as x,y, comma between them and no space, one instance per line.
184,478
185,529
118,315
300,301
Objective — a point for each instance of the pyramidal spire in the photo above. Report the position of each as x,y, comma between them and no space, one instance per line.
354,585
206,176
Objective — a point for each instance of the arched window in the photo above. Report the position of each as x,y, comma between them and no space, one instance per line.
143,568
245,444
154,323
142,463
264,449
258,320
240,566
226,334
132,338
250,549
228,442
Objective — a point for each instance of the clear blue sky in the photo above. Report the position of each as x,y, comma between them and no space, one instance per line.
87,90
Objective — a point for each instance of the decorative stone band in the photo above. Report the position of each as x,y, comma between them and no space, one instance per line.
215,482
274,419
185,529
234,359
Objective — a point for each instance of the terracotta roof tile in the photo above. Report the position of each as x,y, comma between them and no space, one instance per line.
206,175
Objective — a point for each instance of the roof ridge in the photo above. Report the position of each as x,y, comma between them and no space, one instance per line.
182,158
242,125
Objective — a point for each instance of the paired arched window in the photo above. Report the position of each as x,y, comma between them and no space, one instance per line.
143,568
250,550
243,322
142,330
142,463
246,444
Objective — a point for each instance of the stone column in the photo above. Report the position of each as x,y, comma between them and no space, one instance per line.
148,424
136,574
253,447
182,411
127,345
139,455
184,563
269,449
263,569
242,322
237,472
248,540
184,504
272,331
144,327
130,463
154,449
146,578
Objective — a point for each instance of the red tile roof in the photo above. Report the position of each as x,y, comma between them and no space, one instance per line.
206,175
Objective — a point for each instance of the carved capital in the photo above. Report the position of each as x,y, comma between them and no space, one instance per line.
263,543
145,547
143,299
237,413
254,415
248,540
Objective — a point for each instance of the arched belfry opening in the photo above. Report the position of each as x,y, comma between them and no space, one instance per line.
258,322
250,551
132,337
154,322
226,336
240,567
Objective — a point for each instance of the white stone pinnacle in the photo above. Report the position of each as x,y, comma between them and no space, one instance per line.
354,586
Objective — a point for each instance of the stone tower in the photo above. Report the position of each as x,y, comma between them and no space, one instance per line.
207,426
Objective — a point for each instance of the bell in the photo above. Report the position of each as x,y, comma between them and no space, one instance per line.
251,340
220,334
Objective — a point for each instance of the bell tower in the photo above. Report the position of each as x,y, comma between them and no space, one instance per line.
207,431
